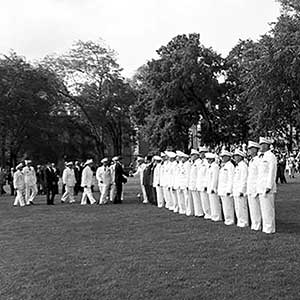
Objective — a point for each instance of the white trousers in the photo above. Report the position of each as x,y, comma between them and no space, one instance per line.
228,209
68,194
30,193
198,210
145,199
175,200
87,193
215,206
160,196
255,213
267,205
181,201
205,205
104,190
19,198
169,204
241,211
166,197
189,206
113,192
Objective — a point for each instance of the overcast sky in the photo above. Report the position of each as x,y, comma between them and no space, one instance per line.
134,28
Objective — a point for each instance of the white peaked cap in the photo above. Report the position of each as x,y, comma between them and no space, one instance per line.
20,165
210,155
193,151
225,153
115,158
156,157
163,154
181,154
89,161
140,158
252,144
28,161
239,152
203,149
171,154
69,163
104,160
264,140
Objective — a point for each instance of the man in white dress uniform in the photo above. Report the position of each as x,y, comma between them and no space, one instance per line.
19,185
225,185
240,188
253,197
30,182
266,185
86,183
157,181
212,175
104,178
141,165
201,182
69,180
198,210
182,180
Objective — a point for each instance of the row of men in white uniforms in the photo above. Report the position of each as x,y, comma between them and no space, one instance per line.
197,186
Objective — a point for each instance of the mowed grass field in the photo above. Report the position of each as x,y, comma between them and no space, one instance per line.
136,251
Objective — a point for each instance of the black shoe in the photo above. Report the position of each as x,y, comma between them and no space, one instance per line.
31,203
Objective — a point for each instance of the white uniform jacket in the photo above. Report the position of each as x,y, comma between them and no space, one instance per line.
172,166
267,168
240,178
212,176
201,175
103,175
193,175
29,175
19,182
87,177
68,177
176,177
252,176
225,179
140,171
156,175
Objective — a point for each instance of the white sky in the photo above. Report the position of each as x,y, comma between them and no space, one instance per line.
134,28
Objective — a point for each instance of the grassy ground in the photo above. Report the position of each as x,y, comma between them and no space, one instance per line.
136,251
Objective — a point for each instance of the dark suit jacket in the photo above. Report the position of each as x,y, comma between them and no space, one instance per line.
51,179
119,174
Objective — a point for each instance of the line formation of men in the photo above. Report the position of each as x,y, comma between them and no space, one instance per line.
217,187
220,187
110,180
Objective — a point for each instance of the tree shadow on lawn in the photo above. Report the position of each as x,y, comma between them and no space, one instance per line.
287,227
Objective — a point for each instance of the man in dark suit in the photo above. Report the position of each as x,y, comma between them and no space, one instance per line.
78,172
51,184
118,180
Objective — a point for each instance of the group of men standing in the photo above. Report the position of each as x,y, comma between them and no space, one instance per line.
228,186
110,180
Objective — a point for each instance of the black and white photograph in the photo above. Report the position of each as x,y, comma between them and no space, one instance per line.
150,150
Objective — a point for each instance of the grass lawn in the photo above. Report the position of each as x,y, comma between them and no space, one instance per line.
136,251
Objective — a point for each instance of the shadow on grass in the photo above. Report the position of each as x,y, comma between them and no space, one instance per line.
287,227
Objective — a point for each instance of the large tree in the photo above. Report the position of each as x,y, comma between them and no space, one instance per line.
176,91
94,86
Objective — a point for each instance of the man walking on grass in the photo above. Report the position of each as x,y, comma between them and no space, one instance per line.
19,185
30,182
86,183
69,180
